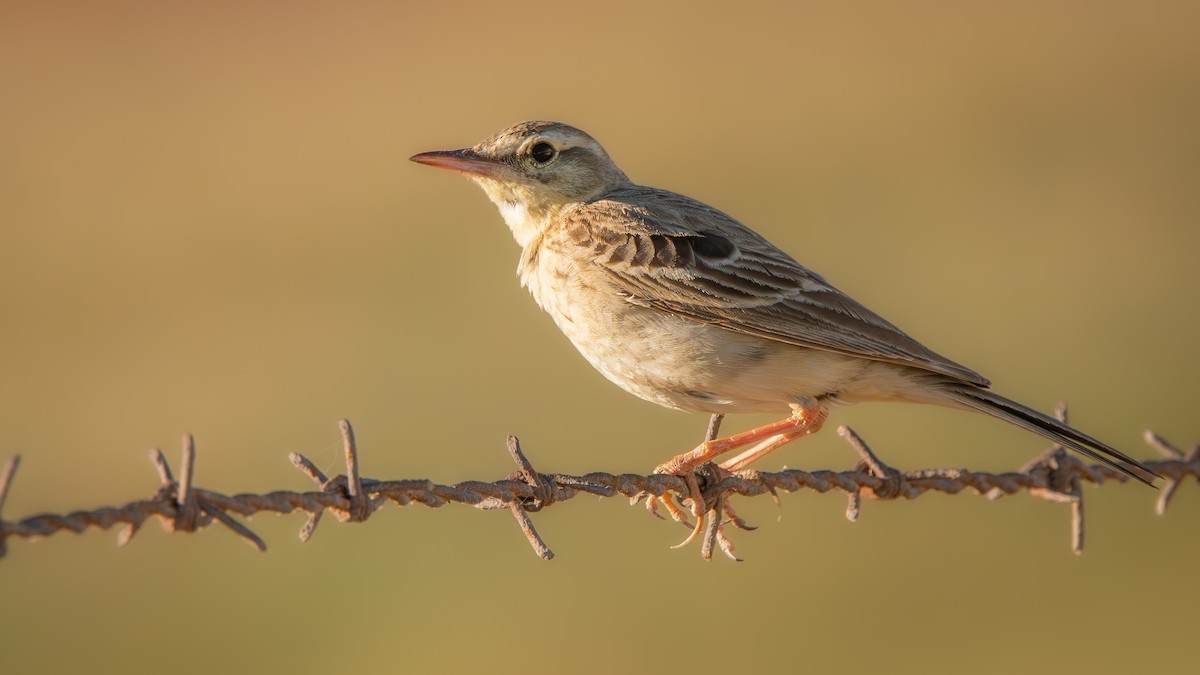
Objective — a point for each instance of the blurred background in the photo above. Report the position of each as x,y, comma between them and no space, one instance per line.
208,224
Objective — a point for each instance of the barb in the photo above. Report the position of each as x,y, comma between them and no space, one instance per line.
183,507
6,479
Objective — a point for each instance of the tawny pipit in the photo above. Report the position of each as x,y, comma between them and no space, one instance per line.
684,306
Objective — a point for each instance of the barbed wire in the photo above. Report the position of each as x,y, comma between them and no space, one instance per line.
181,506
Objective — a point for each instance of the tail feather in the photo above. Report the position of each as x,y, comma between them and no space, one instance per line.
993,404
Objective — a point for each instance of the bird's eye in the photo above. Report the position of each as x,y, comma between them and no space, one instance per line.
542,152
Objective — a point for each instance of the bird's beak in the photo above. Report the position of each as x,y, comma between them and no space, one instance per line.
464,161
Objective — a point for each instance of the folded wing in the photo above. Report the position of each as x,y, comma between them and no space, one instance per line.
669,252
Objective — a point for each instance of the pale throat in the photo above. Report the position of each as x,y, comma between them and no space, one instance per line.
526,222
516,216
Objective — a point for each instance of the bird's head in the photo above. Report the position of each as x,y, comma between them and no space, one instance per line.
532,170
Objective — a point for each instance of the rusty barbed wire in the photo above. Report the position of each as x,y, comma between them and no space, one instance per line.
181,506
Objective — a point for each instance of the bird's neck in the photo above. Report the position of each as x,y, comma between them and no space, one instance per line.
525,214
526,225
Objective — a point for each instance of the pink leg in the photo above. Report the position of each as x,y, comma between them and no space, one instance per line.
802,421
774,443
769,437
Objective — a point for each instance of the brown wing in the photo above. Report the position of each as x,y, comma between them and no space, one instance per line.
672,253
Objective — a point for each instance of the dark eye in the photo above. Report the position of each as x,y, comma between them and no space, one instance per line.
542,152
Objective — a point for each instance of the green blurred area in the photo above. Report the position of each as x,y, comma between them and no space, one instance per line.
208,224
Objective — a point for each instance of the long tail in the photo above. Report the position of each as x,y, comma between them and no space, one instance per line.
1027,418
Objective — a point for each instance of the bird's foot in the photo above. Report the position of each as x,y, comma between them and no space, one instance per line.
687,466
710,509
694,500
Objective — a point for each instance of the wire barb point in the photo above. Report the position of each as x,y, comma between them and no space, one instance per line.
6,480
541,497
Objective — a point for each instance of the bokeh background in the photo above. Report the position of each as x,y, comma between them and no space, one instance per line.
208,224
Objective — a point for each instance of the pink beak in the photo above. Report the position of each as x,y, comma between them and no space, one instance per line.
464,161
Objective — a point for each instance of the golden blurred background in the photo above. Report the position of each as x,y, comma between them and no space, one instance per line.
208,223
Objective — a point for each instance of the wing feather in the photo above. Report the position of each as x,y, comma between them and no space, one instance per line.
672,253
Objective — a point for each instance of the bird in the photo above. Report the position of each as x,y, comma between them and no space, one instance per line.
682,305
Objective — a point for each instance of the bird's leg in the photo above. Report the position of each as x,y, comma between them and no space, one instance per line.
816,417
742,460
768,446
813,417
803,420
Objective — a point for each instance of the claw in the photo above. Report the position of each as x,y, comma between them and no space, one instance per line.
735,519
695,533
697,500
726,545
652,506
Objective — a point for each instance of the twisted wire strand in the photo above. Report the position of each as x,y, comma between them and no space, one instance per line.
182,507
